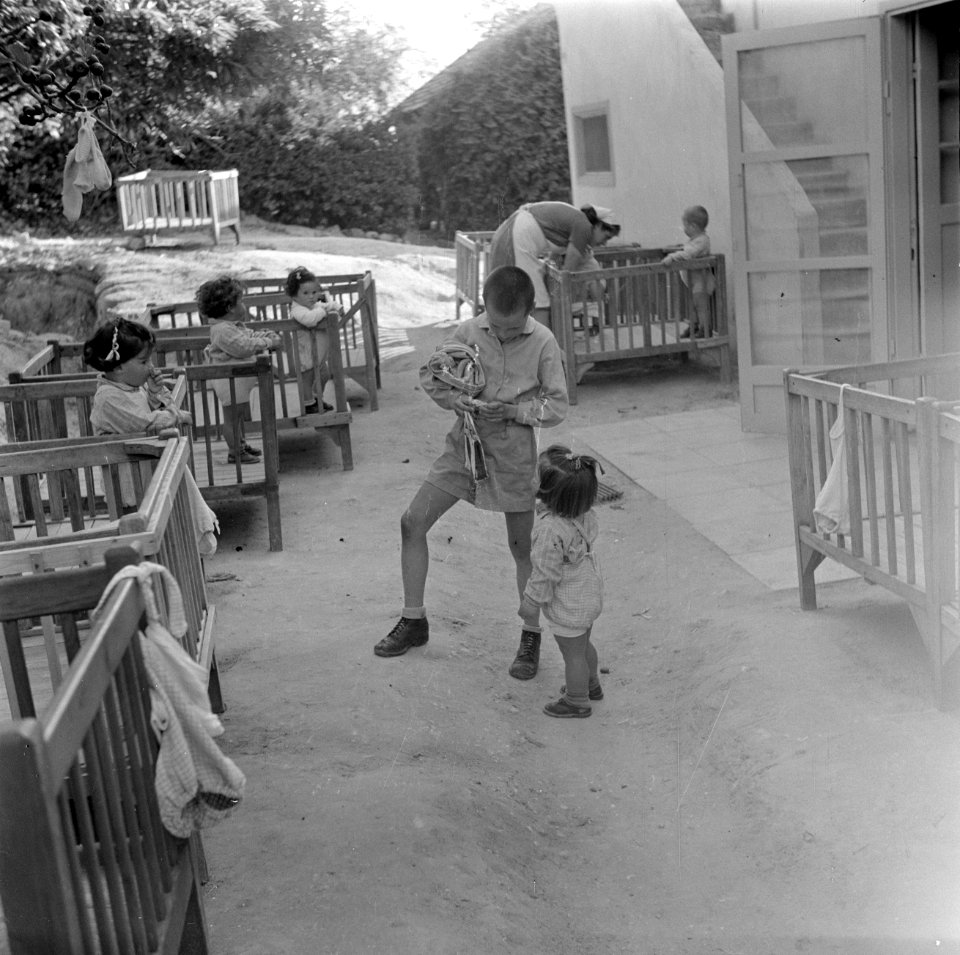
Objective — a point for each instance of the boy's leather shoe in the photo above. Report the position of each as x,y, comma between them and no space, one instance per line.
527,660
406,634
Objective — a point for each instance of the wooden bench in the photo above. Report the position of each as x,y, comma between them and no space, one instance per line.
87,864
77,506
902,466
217,479
160,202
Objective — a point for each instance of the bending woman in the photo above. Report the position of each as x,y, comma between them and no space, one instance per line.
541,228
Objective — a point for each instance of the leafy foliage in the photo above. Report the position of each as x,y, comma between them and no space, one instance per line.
290,92
496,137
199,86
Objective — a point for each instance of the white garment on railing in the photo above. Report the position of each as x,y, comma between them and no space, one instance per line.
197,785
831,510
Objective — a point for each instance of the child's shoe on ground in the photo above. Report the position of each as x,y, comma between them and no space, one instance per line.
246,457
406,634
564,710
527,660
595,692
250,449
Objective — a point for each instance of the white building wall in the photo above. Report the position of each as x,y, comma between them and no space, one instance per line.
769,14
666,114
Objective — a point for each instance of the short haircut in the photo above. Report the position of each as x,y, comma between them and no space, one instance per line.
697,215
116,342
298,277
219,296
568,481
508,289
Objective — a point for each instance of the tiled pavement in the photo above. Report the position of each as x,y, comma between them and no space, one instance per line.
732,486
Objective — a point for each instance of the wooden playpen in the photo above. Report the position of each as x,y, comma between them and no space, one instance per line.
63,504
87,864
38,405
632,306
899,471
156,201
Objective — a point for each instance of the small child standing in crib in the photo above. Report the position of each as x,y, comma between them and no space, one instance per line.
700,282
131,395
309,306
220,302
565,582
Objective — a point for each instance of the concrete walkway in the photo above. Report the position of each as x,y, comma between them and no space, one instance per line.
732,486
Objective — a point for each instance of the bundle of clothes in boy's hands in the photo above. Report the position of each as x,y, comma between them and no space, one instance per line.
458,365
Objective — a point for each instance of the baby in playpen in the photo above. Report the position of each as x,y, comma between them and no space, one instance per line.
701,282
309,306
220,302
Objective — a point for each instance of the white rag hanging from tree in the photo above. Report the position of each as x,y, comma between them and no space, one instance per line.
84,170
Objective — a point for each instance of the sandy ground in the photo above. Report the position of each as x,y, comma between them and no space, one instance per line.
758,780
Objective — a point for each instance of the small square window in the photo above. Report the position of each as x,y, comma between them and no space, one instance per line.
592,142
596,144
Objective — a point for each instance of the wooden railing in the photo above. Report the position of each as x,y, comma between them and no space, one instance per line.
163,201
63,504
632,306
50,405
217,479
87,865
355,294
902,461
473,264
636,310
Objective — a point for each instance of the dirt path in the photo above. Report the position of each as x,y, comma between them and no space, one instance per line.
757,780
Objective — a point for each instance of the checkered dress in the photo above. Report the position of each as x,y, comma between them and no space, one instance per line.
566,580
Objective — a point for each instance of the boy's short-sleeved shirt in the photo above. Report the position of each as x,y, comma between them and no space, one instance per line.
526,372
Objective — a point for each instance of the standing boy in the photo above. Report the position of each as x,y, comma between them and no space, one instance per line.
523,389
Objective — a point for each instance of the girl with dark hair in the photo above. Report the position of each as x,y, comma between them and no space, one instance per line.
565,582
309,306
131,395
539,229
220,302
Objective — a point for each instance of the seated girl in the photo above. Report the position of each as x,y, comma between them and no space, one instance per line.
131,395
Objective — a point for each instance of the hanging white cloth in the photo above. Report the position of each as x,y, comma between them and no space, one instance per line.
197,785
831,510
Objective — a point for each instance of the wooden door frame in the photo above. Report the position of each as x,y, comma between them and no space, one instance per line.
870,29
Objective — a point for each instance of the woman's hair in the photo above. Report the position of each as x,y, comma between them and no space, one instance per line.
298,277
568,481
219,297
697,215
116,342
507,289
595,220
